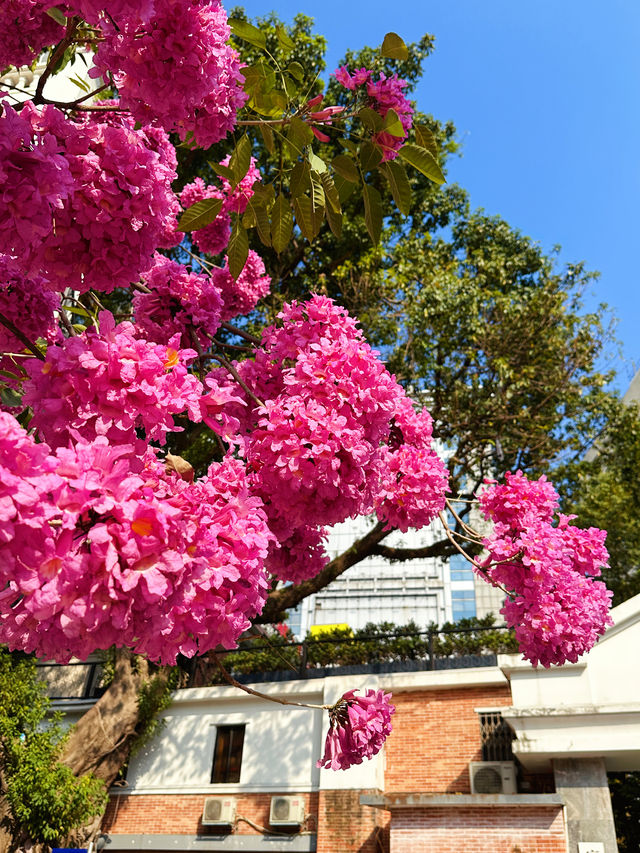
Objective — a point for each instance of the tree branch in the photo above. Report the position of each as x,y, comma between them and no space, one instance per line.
442,548
289,596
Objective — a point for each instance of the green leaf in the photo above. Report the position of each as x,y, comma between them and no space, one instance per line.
258,78
330,192
284,39
57,16
300,178
396,175
317,163
370,119
270,103
335,220
370,156
393,125
423,161
394,48
345,188
247,32
240,159
346,168
372,212
10,397
299,133
267,136
296,70
200,214
281,224
261,219
238,249
223,171
426,139
317,196
307,216
80,83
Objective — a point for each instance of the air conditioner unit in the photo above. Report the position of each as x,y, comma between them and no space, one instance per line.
219,811
286,811
493,777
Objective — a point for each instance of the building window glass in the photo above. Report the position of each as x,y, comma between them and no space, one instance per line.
227,756
463,602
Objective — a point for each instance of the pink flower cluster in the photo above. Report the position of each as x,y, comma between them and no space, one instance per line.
414,480
328,402
35,183
383,94
110,383
241,295
28,304
557,608
180,302
96,550
119,209
296,556
358,728
214,238
176,69
334,437
105,11
25,29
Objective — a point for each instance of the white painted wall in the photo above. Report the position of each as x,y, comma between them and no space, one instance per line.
587,709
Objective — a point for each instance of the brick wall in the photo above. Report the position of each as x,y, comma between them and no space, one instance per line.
435,736
344,826
522,829
181,814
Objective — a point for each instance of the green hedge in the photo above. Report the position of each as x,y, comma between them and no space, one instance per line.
385,642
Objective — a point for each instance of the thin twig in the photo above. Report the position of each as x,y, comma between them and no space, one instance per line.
6,322
219,343
58,53
228,366
231,680
240,333
201,356
66,322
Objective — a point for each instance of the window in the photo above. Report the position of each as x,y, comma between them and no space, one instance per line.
227,756
463,602
497,737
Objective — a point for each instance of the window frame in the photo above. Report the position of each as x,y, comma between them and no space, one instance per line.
226,755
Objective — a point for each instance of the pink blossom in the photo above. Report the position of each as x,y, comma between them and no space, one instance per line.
25,29
414,480
35,183
358,728
106,11
382,95
176,69
297,555
121,207
125,554
180,303
557,608
28,304
241,295
110,383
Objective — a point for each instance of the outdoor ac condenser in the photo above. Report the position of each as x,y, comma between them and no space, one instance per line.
493,777
219,811
286,811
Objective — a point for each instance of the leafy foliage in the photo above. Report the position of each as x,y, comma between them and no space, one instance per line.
47,801
374,643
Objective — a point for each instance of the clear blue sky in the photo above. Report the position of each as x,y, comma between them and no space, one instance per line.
545,97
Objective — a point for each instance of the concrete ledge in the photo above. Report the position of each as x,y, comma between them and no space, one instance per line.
301,843
426,801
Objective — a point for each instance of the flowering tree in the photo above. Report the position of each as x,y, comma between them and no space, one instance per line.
105,537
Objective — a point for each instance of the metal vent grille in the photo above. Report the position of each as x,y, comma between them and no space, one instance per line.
497,738
281,808
488,780
212,809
